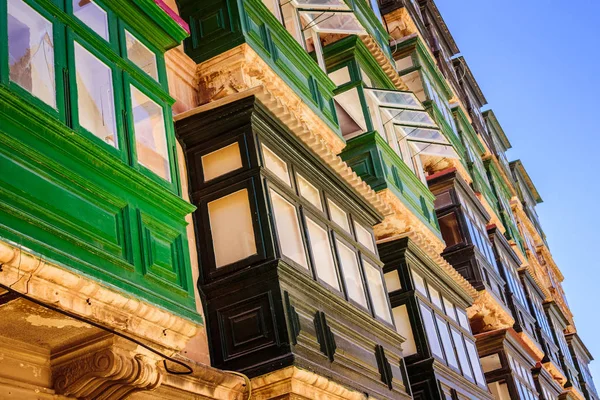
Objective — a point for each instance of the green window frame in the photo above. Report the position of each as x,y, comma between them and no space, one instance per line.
68,29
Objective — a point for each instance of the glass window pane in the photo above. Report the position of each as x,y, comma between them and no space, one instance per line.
31,51
396,99
231,228
92,15
288,229
474,357
221,161
462,353
309,192
338,215
450,230
463,320
449,307
408,117
276,165
392,281
317,4
378,293
95,97
404,328
340,76
432,337
419,282
434,149
434,295
150,135
350,268
322,254
141,56
332,22
446,341
364,237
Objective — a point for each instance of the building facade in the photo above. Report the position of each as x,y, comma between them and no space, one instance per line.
234,199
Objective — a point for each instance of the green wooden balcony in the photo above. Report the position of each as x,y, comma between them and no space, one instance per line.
372,158
221,25
90,178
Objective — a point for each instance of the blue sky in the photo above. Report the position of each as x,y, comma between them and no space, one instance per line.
538,64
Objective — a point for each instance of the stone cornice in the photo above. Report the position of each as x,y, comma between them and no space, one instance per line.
556,372
296,383
490,312
383,62
404,223
531,345
52,284
240,73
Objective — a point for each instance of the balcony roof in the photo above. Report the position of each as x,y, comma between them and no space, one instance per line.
517,166
468,75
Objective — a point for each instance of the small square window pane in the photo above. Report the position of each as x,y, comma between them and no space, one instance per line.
231,228
354,283
392,281
378,293
364,237
31,51
322,254
434,295
288,229
419,282
221,161
449,308
150,134
92,15
463,320
338,215
309,192
95,98
141,56
276,165
340,76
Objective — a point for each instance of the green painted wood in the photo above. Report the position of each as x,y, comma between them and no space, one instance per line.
372,24
220,25
77,201
380,167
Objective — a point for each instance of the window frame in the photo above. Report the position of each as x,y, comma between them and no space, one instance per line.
67,28
60,62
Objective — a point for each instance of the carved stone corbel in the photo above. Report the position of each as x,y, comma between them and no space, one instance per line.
106,370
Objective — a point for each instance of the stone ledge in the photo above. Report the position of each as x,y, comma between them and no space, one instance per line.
52,284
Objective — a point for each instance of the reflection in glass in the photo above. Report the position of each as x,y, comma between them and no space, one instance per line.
322,255
288,229
354,283
150,135
95,98
141,56
31,51
378,293
92,15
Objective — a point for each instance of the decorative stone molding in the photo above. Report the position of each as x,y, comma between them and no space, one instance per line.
181,75
556,372
295,383
572,393
276,106
78,294
531,345
402,222
436,164
111,370
488,313
240,69
400,24
383,61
